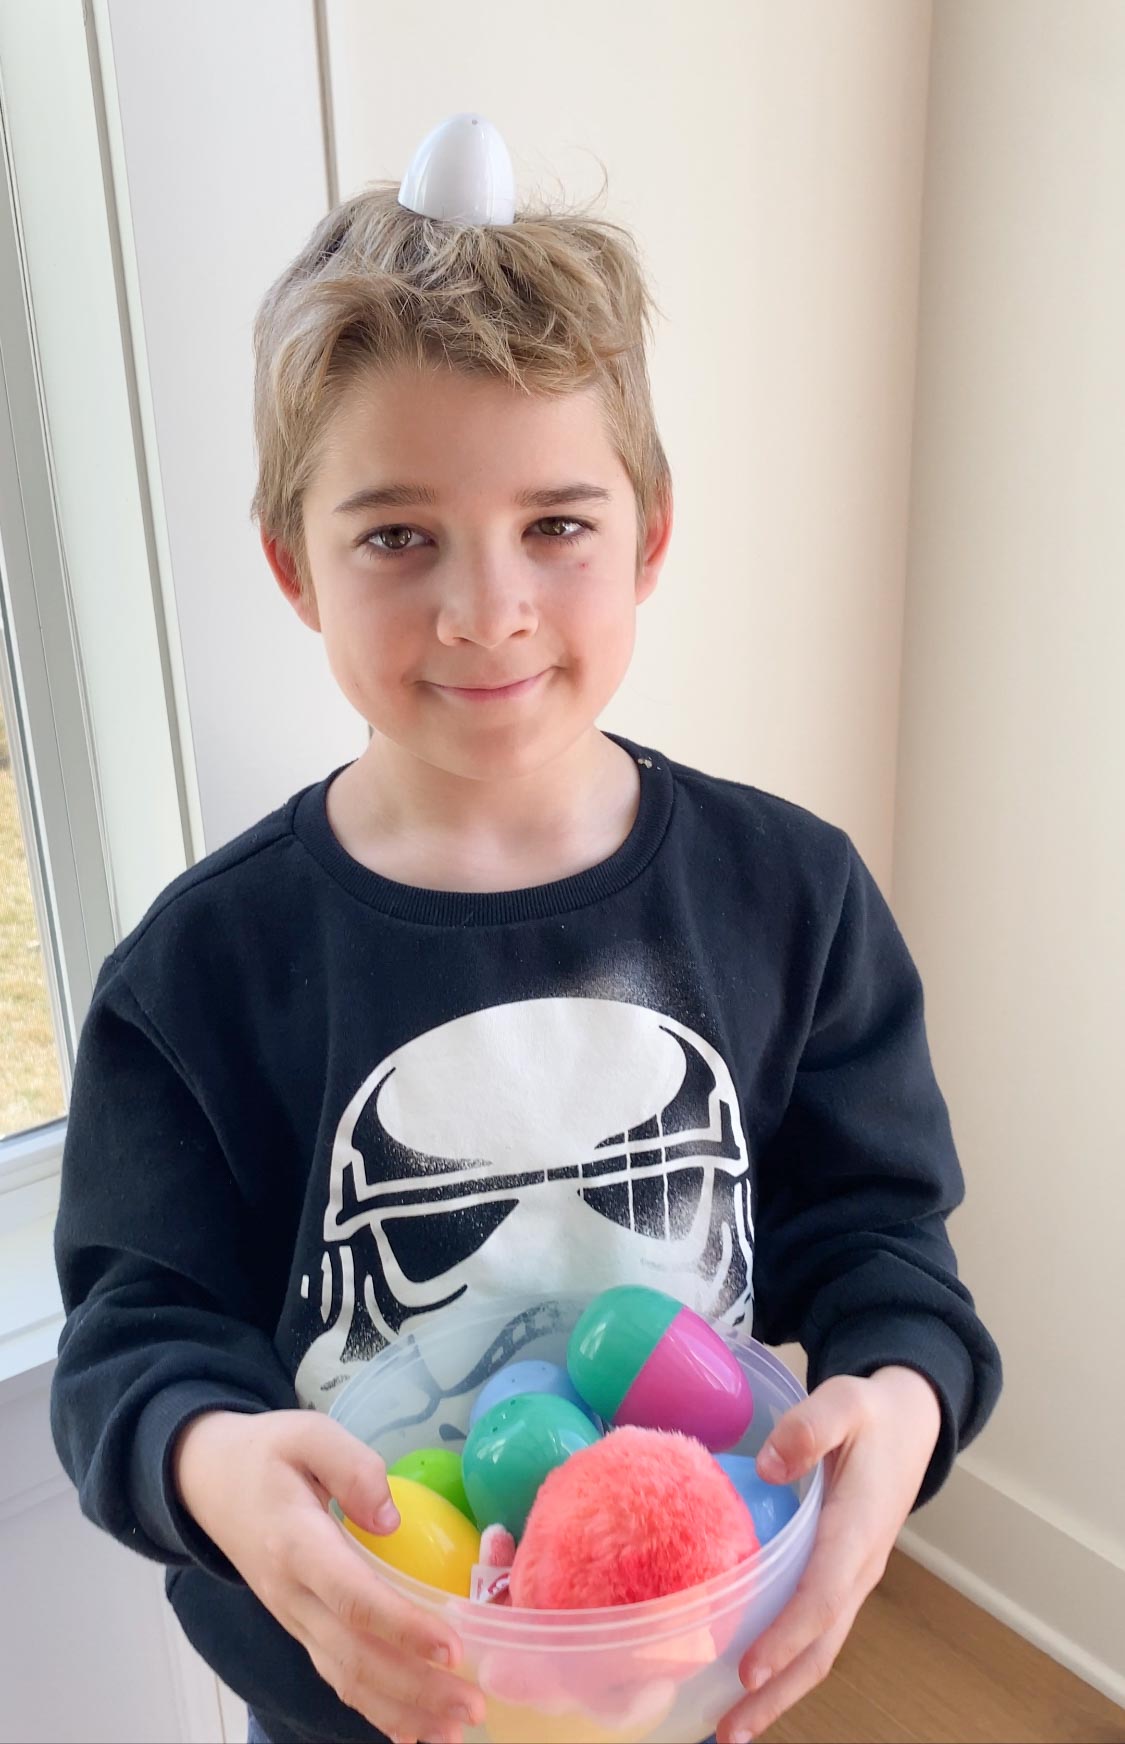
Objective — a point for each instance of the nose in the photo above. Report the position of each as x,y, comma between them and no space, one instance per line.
486,600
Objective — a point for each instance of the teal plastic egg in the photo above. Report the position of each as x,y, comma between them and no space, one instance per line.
511,1449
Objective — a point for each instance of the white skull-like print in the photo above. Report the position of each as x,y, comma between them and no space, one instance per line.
547,1145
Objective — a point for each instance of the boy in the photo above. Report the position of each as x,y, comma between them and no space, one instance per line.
505,1005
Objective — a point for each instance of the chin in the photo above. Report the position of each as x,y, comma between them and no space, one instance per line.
507,755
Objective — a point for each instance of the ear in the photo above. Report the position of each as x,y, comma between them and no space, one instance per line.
657,538
303,600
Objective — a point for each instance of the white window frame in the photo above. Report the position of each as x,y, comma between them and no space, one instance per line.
41,685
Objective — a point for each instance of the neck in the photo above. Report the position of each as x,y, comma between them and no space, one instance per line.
391,810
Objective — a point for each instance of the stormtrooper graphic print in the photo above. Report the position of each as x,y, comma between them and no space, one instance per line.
548,1145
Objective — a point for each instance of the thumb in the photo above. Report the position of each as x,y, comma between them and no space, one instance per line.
808,1432
347,1470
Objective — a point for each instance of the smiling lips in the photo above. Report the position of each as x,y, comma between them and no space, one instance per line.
491,693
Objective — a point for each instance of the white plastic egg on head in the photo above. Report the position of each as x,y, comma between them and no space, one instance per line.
462,173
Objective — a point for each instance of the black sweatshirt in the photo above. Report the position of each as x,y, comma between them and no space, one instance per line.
311,1104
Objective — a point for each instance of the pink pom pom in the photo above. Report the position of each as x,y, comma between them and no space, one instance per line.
636,1516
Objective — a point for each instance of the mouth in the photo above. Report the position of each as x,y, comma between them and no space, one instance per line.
492,693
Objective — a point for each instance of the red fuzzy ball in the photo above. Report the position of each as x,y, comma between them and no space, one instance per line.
638,1515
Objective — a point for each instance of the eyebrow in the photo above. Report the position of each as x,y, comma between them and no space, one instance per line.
401,496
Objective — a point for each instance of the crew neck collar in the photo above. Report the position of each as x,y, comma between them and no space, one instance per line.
493,908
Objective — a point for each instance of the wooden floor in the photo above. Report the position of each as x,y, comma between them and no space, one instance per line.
923,1663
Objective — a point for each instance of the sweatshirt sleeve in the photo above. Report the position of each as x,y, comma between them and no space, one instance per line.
852,1257
156,1261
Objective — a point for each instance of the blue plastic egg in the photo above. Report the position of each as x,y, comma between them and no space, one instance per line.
527,1377
771,1506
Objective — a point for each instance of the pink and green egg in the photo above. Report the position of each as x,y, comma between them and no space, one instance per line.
640,1357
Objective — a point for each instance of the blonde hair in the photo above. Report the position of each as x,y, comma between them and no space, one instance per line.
552,302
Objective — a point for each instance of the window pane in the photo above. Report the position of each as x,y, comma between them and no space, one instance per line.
31,1091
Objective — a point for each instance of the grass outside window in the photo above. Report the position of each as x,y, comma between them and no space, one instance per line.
31,1091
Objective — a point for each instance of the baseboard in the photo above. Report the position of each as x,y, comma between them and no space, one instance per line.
1035,1574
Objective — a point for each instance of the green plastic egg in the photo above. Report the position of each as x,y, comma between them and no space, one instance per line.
437,1469
511,1449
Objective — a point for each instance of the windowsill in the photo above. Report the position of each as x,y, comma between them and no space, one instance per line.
31,1311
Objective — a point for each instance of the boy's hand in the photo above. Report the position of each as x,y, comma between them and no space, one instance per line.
259,1486
875,1437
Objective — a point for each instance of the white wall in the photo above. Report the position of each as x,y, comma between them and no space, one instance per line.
1010,841
769,159
86,1649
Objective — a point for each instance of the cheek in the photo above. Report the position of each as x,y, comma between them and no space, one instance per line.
366,643
601,610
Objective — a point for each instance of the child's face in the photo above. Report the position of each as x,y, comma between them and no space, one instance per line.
457,586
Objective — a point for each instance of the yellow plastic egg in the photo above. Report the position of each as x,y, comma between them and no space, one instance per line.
434,1543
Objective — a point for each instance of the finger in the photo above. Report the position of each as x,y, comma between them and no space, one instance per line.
351,1472
331,1567
396,1692
808,1432
835,1583
354,1680
751,1717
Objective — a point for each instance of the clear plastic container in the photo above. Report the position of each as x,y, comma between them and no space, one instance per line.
664,1671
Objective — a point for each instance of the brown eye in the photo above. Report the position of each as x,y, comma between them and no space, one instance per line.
555,527
396,538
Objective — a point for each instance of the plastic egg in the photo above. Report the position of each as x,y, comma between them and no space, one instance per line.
434,1543
638,1356
527,1377
771,1506
511,1449
437,1469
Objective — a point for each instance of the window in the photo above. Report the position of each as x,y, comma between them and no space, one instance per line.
56,919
